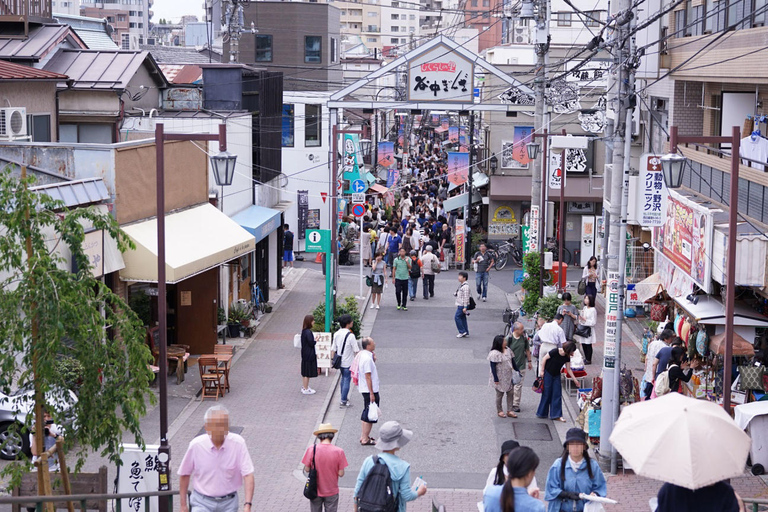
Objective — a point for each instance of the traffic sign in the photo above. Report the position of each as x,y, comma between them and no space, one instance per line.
359,186
318,240
358,198
358,210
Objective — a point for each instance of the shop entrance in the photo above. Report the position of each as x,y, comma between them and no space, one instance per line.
261,275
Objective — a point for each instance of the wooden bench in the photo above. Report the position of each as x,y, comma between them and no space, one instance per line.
82,483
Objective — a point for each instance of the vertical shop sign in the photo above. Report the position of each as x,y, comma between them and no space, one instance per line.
459,241
654,195
303,198
533,230
611,319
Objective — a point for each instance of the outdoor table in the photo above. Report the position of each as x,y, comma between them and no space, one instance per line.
177,353
224,360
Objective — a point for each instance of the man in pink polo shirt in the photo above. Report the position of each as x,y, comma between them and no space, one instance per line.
330,461
219,462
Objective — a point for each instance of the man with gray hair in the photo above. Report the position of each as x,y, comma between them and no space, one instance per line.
218,463
430,264
518,343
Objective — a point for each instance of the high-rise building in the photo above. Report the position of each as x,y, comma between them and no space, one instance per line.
139,14
66,6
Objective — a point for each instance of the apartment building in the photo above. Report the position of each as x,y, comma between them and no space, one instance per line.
65,6
136,13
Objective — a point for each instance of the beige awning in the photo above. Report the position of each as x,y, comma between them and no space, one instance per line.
648,287
381,189
196,240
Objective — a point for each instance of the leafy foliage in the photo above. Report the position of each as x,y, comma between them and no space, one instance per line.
71,371
141,304
72,313
531,282
348,306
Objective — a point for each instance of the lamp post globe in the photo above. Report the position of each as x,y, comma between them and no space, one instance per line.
672,166
365,147
533,149
223,166
494,163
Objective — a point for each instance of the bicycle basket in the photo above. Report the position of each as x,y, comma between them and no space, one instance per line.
509,316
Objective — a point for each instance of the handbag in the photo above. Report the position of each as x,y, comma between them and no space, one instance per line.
597,387
583,331
538,385
658,312
582,287
751,378
297,341
336,364
368,281
517,377
472,304
310,487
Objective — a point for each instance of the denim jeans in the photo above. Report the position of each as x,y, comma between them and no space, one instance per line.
413,285
429,285
481,278
461,320
346,379
551,404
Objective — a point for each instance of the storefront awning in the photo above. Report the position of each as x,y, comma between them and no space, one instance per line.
381,189
710,311
648,288
751,255
259,221
196,240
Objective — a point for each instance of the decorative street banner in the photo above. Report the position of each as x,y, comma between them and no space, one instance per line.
685,238
459,241
514,154
303,198
611,319
351,150
445,122
458,167
453,134
387,161
555,170
526,239
440,74
463,140
654,199
533,229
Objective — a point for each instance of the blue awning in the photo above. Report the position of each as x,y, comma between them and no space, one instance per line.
259,221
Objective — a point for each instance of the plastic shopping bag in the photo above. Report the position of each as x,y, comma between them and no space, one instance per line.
373,412
297,341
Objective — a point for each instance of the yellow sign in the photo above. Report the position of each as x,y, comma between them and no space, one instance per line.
504,214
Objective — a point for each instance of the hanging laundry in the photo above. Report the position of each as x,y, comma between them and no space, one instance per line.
754,148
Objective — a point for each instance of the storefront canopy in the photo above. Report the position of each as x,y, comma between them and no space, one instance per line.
648,287
259,221
381,189
711,311
196,240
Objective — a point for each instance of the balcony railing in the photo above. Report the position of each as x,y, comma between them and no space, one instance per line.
23,10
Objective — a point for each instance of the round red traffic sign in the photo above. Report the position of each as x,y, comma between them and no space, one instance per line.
358,210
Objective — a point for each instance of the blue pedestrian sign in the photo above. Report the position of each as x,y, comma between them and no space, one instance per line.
359,186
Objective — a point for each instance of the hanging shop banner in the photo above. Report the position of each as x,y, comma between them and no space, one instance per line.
453,134
440,74
653,191
386,160
350,167
303,199
503,224
459,241
555,170
675,281
514,154
445,122
611,319
533,229
458,167
587,238
463,140
685,238
526,239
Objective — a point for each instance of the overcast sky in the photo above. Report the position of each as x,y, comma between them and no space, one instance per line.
175,9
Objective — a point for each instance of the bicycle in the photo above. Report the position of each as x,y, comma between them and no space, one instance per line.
257,299
510,316
505,251
554,247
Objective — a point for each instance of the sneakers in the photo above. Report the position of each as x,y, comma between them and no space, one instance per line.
308,391
515,408
460,335
399,308
405,308
377,306
344,405
373,305
483,299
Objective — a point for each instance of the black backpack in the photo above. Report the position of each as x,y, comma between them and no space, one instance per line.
415,270
376,493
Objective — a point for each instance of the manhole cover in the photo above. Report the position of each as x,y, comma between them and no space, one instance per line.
532,432
234,430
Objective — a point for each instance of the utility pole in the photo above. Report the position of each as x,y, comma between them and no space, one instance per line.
617,244
468,229
234,19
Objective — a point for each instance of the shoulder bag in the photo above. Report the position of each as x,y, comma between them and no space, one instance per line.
583,331
336,364
310,487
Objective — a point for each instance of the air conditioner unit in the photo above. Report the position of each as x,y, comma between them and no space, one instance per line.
522,35
13,123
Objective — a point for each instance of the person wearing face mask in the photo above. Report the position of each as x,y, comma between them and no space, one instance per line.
572,474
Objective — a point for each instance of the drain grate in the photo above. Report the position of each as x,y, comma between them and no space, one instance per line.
234,430
532,432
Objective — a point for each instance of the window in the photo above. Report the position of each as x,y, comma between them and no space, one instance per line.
486,15
395,16
263,48
592,19
39,126
394,40
131,13
140,14
564,19
474,3
412,30
759,16
141,25
343,12
125,41
412,17
131,25
312,49
403,41
679,23
334,50
371,40
403,29
486,3
395,29
288,125
121,17
312,125
111,19
372,14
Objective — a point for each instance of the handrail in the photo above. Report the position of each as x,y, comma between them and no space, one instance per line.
83,498
755,503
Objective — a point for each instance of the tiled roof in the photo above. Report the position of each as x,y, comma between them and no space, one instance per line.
176,54
102,69
41,40
77,192
93,31
11,71
182,73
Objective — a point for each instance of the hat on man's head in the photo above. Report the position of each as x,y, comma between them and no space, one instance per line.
508,446
575,435
325,428
392,435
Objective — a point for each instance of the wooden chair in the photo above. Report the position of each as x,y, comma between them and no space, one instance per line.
210,376
224,349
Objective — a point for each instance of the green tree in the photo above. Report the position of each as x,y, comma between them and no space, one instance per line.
48,312
531,282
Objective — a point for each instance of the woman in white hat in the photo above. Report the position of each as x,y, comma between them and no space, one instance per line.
330,461
392,437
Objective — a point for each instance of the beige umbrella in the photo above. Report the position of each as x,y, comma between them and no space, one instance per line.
688,442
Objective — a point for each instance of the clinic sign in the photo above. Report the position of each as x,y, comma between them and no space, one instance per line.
440,75
653,192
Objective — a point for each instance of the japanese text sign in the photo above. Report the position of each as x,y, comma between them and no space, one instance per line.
654,193
440,74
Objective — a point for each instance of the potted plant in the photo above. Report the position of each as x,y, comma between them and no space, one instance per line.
236,319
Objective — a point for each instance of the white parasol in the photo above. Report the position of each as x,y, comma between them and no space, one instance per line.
688,442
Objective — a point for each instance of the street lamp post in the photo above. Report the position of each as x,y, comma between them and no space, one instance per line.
223,166
494,163
673,168
533,153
